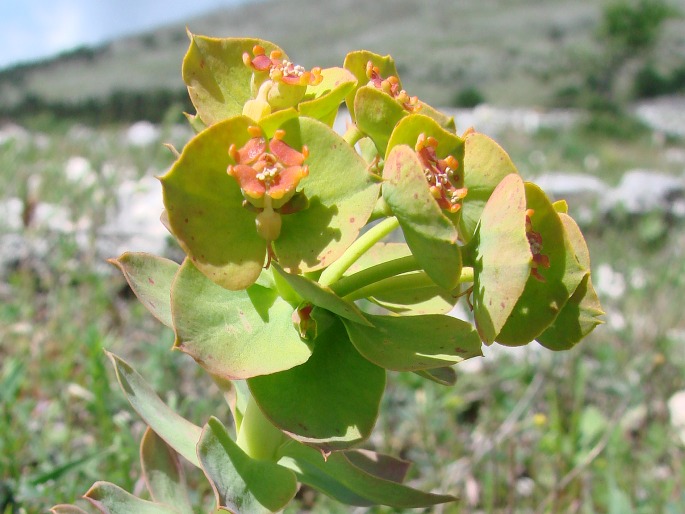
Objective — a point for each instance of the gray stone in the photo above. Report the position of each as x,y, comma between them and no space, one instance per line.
643,191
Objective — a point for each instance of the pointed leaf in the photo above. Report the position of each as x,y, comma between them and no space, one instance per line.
111,499
407,131
410,128
485,165
356,63
322,296
429,233
445,121
377,113
322,101
217,78
341,194
67,509
163,473
331,401
241,484
150,278
443,376
409,343
541,301
204,207
581,313
339,478
176,431
503,257
234,334
379,464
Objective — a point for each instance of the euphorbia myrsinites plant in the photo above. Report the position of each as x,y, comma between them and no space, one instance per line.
292,301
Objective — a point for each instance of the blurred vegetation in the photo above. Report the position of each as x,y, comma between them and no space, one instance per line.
120,106
624,67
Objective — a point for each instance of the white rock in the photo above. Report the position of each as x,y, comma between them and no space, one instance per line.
12,132
676,408
608,282
78,170
53,217
10,214
641,191
493,120
136,225
142,133
665,114
564,185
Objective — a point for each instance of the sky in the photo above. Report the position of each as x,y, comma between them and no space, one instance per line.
34,29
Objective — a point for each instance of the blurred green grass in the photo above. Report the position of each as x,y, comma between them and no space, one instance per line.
582,431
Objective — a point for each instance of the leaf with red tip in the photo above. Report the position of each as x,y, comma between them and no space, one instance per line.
234,334
217,78
150,278
241,484
346,479
503,257
163,473
177,432
485,165
429,233
410,343
541,301
112,499
581,313
205,211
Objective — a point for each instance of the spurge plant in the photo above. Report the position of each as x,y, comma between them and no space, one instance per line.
292,300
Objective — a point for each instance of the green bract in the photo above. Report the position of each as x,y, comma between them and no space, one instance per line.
292,301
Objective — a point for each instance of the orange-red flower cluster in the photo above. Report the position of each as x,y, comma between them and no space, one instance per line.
273,169
281,70
441,174
391,86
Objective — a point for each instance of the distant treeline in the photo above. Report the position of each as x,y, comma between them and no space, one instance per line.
119,106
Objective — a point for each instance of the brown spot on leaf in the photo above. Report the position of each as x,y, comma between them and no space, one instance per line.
152,282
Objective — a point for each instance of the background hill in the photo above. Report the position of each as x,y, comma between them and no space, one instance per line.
509,52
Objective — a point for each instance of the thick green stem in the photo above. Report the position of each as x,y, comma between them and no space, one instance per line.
372,274
401,282
257,436
381,210
353,134
357,249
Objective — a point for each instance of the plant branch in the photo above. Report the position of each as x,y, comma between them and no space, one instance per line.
356,250
374,274
353,134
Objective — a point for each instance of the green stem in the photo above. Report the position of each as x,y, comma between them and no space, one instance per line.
353,134
381,210
372,274
396,283
356,250
257,436
402,282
